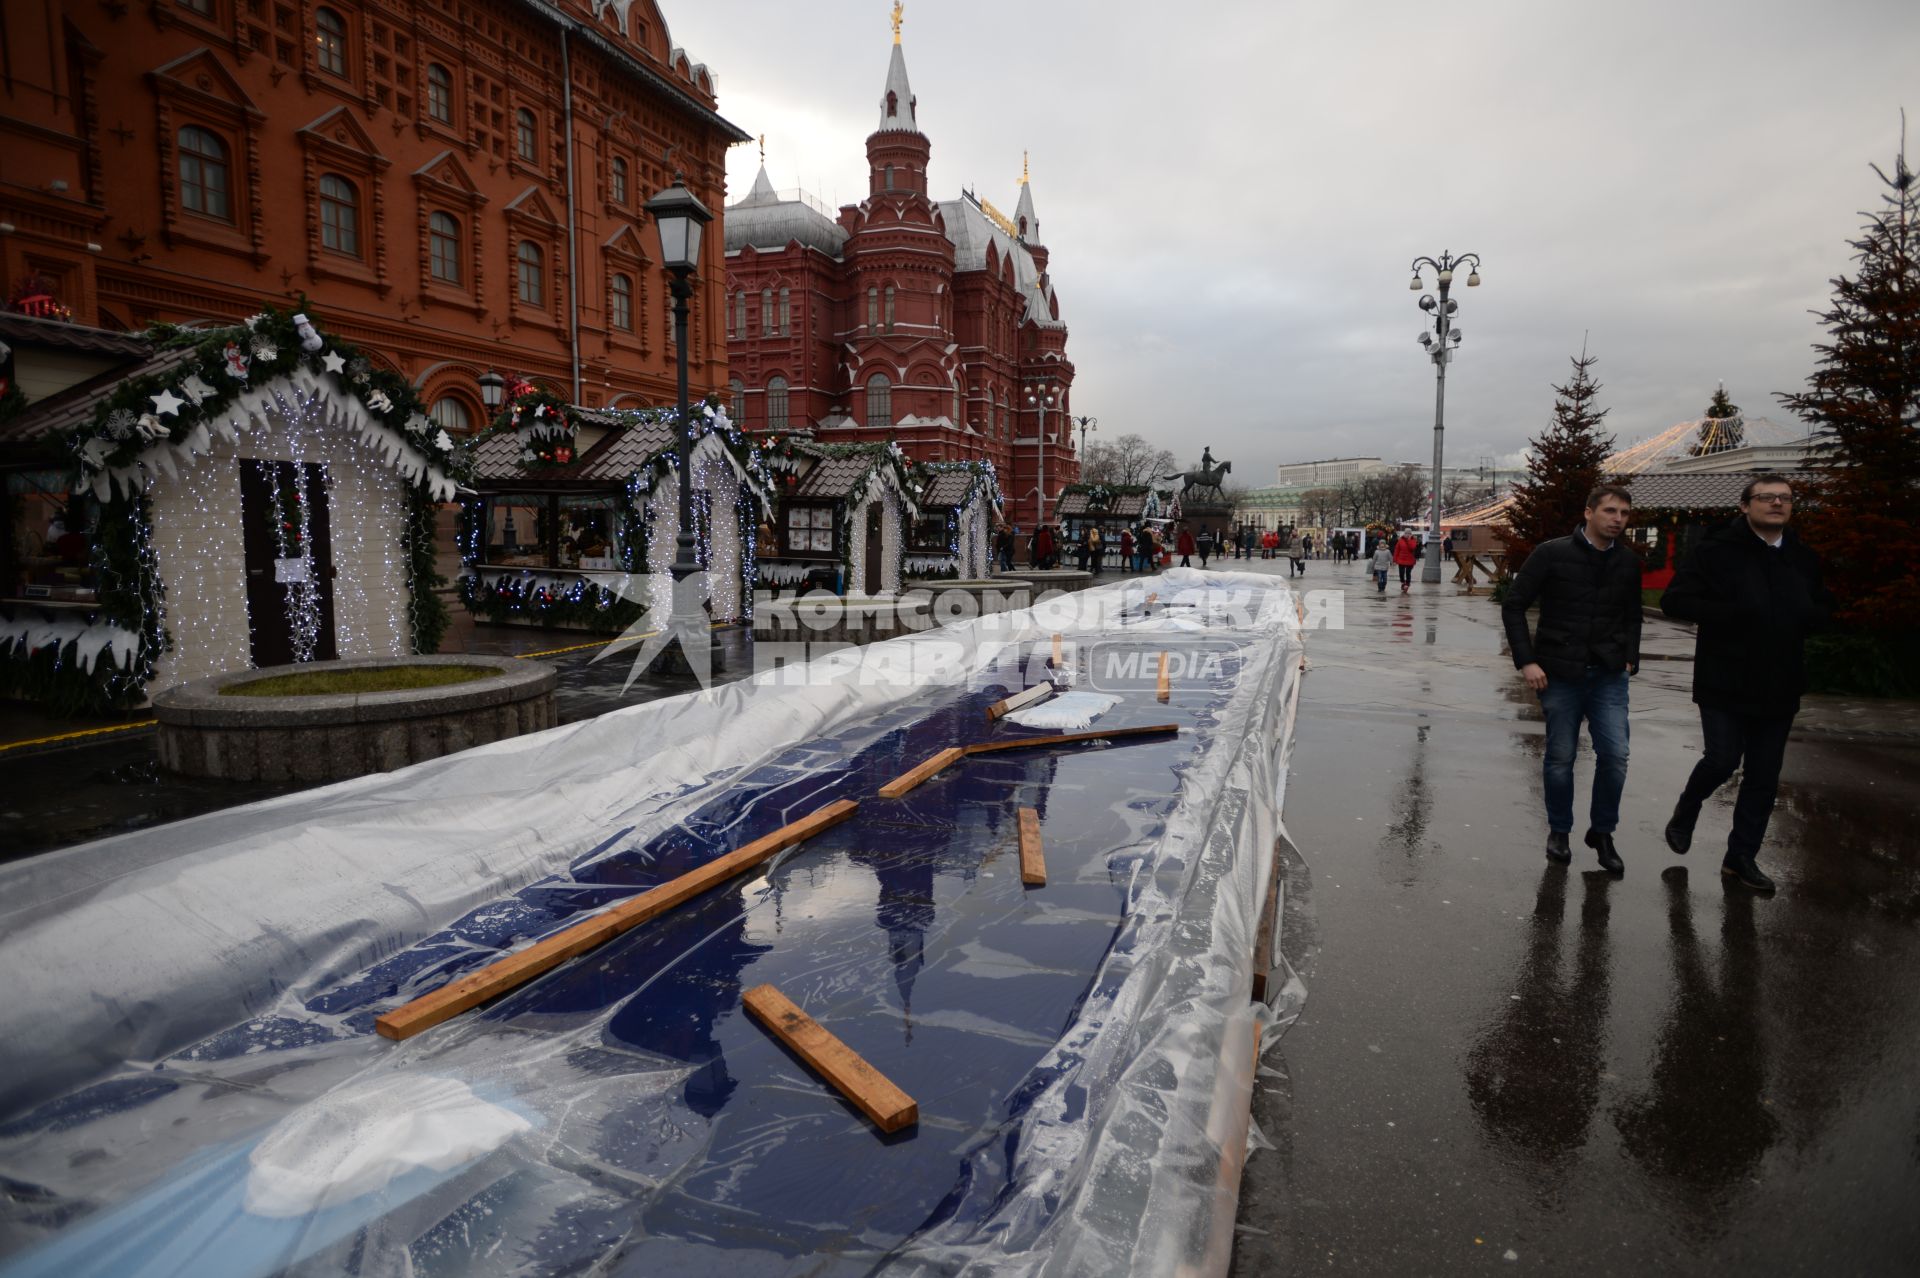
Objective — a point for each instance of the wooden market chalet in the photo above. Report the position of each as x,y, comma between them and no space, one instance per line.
575,517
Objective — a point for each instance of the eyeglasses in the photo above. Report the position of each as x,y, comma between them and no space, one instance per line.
1773,499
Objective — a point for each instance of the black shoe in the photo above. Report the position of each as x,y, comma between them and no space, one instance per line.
1609,859
1746,872
1557,849
1680,826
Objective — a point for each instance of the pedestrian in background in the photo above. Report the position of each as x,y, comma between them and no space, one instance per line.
1405,554
1185,546
1381,564
1586,645
1096,546
1297,555
1754,590
1126,550
1204,543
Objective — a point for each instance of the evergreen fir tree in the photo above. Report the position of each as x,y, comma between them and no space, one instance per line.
1722,427
1863,405
1566,465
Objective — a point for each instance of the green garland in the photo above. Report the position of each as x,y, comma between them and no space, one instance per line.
151,411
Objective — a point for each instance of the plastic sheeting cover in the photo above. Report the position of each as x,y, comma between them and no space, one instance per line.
1081,1053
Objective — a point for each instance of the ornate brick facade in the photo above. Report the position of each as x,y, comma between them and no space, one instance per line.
404,163
926,320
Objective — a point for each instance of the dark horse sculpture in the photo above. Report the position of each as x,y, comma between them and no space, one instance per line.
1208,476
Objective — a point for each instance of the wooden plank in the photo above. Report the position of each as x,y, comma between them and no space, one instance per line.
908,780
1033,860
521,966
1264,932
872,1092
1069,738
1017,700
1163,689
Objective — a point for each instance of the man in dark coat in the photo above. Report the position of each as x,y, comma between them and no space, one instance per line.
1755,591
1586,645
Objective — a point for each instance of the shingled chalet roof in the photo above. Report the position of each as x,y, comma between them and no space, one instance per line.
1074,505
74,406
629,445
950,488
1661,490
835,477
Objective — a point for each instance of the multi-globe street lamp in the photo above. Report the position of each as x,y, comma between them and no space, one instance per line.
680,217
1040,397
1440,345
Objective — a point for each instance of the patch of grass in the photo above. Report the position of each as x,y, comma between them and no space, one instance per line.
323,683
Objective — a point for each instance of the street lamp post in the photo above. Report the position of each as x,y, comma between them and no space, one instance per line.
1440,344
1040,398
1085,424
680,218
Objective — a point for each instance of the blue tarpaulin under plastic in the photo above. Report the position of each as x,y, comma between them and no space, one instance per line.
193,1086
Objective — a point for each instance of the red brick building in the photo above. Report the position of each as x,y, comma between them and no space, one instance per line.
455,184
931,321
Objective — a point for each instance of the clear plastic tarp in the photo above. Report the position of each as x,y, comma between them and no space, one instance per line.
191,1083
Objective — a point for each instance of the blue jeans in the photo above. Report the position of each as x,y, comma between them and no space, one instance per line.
1600,698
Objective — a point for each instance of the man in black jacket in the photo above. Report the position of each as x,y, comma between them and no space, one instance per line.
1755,591
1587,643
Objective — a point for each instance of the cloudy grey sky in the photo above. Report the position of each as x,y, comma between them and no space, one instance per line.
1232,192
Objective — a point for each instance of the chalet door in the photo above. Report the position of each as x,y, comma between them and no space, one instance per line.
874,544
289,562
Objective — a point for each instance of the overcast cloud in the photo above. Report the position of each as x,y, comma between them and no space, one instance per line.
1232,192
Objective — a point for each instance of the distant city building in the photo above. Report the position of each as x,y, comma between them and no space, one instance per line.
1328,473
927,321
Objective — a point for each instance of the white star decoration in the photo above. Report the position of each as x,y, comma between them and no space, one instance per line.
333,362
166,402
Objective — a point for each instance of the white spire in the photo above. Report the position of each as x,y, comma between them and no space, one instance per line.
896,104
1023,215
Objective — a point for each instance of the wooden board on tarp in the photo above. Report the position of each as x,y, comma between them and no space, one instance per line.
871,1092
518,968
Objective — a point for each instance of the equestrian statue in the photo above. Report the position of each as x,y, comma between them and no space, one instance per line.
1208,476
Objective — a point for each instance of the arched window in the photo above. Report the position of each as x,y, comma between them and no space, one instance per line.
786,310
452,414
439,93
533,274
737,401
443,248
618,180
873,310
526,142
203,174
339,214
956,404
879,400
330,42
776,403
620,304
889,308
767,325
740,312
889,177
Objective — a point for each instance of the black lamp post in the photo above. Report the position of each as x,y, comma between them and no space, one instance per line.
681,217
1440,344
1085,424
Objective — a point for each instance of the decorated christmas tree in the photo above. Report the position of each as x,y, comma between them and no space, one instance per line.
1722,426
1566,465
1863,405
